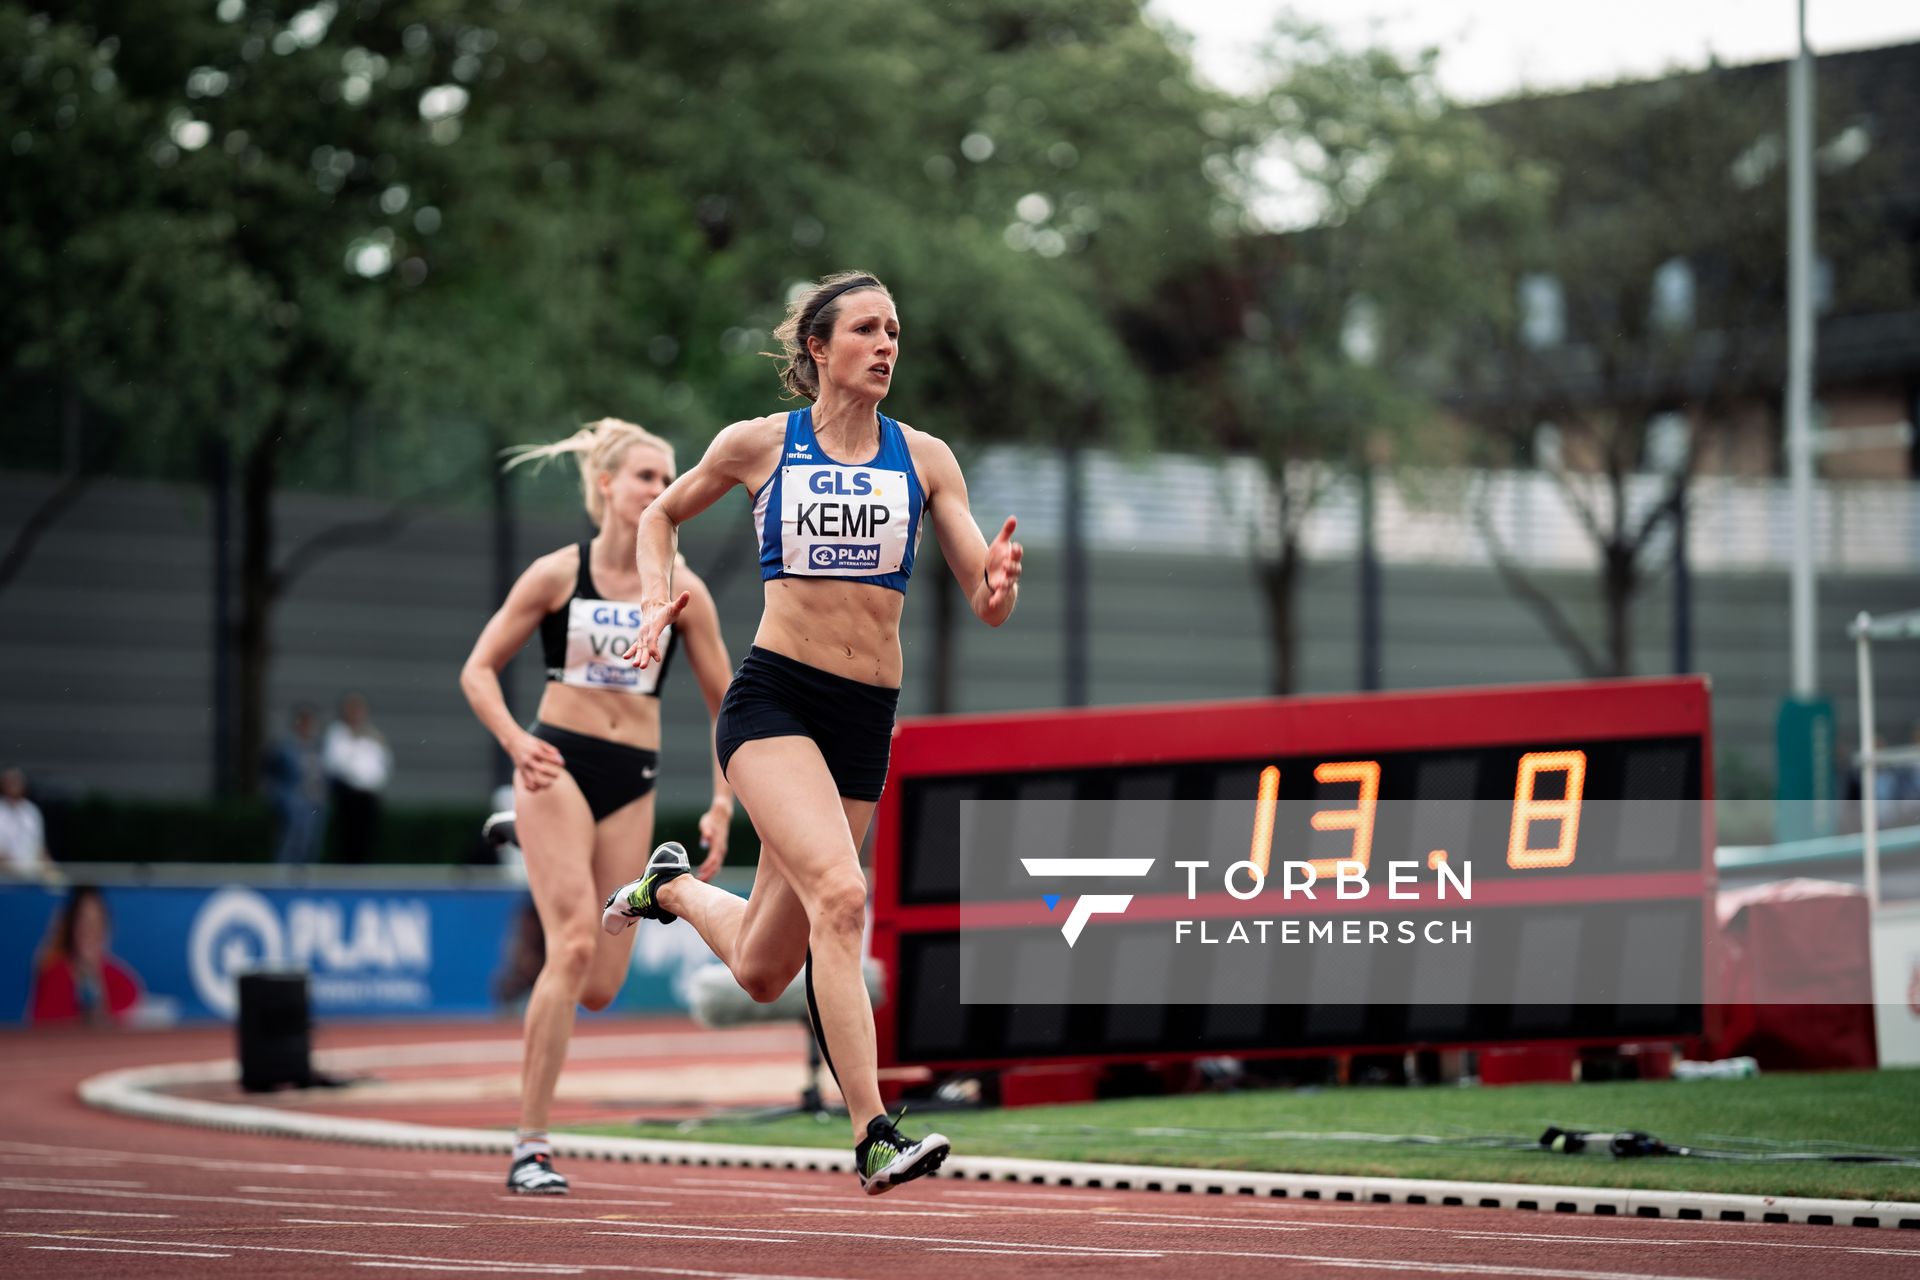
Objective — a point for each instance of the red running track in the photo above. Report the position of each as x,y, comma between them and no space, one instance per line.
88,1194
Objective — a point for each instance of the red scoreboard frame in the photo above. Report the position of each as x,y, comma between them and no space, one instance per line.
1336,728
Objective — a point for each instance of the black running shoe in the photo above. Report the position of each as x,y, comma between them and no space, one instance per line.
635,900
888,1157
534,1176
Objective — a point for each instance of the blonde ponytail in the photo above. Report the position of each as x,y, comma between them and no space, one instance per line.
599,447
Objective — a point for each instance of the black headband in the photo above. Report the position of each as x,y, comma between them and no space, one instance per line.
858,282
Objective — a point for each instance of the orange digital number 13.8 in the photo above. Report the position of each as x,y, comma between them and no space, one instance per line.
1563,810
1358,819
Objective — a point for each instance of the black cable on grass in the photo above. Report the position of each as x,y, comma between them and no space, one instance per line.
1634,1144
1628,1144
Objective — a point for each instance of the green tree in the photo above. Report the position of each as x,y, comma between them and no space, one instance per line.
1658,293
212,210
362,244
1396,198
1028,177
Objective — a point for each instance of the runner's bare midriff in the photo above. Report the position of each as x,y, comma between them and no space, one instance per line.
628,719
848,628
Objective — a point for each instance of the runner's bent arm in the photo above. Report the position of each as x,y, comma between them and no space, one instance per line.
723,466
988,572
535,595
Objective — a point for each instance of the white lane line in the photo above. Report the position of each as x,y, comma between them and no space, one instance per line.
838,1197
468,1268
145,1253
94,1213
1022,1253
307,1191
1205,1226
7,1184
489,1264
989,1210
723,1275
560,1201
1252,1217
76,1182
1034,1248
1438,1268
631,1227
1081,1198
676,1230
680,1239
82,1154
198,1162
811,1185
1538,1237
1531,1235
884,1213
16,1185
1051,1251
462,1175
343,1222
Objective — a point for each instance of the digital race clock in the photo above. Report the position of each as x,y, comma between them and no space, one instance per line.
1062,886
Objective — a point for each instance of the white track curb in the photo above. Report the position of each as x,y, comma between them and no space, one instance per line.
135,1092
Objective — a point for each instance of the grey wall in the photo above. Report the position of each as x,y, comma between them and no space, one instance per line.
106,660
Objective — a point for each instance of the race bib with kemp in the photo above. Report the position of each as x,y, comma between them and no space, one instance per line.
818,518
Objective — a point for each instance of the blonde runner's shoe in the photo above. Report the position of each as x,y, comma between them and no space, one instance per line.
534,1175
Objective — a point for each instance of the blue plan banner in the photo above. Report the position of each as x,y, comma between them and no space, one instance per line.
368,952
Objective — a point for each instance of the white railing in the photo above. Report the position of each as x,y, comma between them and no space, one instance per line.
1181,504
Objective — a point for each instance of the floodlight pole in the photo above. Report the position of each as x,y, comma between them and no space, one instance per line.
1800,340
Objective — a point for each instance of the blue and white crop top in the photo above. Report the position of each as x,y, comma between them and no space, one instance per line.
819,518
583,639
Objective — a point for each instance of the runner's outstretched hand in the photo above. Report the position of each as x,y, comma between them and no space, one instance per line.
655,616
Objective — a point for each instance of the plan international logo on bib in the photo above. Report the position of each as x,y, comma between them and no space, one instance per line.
863,556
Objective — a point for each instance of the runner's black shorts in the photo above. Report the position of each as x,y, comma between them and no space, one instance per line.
774,696
611,775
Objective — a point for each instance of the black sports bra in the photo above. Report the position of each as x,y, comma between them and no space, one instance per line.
584,638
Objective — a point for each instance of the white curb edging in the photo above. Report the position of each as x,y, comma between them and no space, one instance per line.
135,1092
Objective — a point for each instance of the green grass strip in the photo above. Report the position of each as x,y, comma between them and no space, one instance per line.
1297,1131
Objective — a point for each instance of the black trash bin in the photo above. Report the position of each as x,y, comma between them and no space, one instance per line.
275,1030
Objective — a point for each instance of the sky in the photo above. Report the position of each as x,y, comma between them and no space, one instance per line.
1496,48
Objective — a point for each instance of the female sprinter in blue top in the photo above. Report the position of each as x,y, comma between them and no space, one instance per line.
839,491
583,775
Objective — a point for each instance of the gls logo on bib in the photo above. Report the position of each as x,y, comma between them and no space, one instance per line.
842,520
598,633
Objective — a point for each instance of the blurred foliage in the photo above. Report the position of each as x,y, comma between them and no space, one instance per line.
666,174
364,243
1660,285
362,231
1402,209
187,183
1405,210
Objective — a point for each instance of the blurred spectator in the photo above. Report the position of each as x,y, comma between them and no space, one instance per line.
23,832
358,766
296,779
1893,785
1906,782
522,954
77,980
